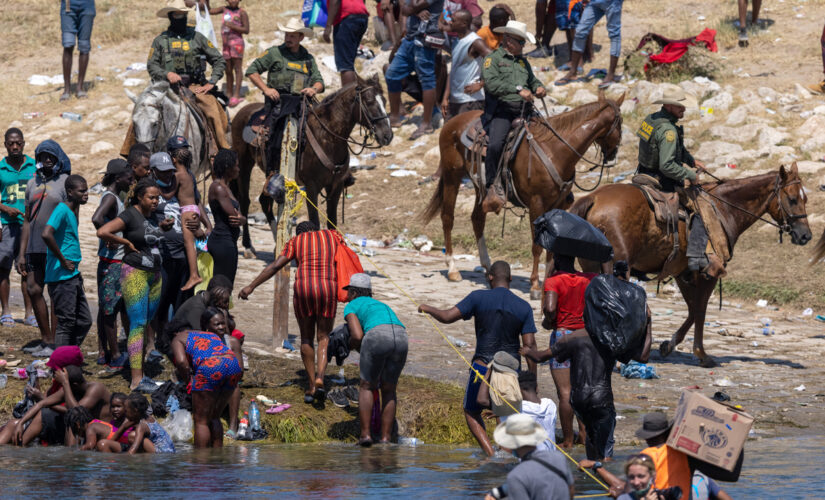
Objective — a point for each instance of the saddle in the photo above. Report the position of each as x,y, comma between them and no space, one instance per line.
210,144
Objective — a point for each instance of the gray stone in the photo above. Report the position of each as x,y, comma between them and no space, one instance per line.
767,94
809,167
769,136
812,126
701,87
642,91
100,147
628,106
583,96
101,125
720,102
432,156
814,144
801,91
743,133
718,152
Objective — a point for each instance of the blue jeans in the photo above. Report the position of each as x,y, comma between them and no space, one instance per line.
411,57
595,10
77,25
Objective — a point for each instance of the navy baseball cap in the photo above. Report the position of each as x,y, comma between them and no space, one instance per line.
176,142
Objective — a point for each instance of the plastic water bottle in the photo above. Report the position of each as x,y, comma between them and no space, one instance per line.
33,114
409,441
71,116
243,427
3,380
254,416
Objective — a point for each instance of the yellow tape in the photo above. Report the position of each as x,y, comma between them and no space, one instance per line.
292,186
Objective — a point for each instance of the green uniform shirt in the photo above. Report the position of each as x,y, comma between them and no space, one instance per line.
180,54
287,70
503,73
662,147
13,187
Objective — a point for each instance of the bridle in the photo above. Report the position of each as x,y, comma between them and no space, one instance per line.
159,106
786,217
368,132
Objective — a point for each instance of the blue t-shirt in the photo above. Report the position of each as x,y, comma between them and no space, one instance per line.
371,313
13,184
64,223
500,319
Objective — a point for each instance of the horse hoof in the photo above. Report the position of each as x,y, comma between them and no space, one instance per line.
707,362
249,253
665,349
454,276
535,294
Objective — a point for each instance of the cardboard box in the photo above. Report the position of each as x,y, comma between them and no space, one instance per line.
708,430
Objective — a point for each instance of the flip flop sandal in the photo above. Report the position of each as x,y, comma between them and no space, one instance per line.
420,133
278,409
564,81
309,398
7,320
365,443
31,321
401,122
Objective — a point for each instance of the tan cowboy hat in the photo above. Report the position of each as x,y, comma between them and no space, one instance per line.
174,6
677,97
519,430
516,28
295,25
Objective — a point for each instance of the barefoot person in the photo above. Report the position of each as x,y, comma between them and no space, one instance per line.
189,201
502,322
76,20
223,240
382,341
140,274
212,369
16,170
314,298
147,437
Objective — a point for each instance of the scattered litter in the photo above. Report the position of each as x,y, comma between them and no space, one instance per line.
638,370
457,342
800,388
820,317
136,66
620,417
723,382
97,189
339,379
33,114
418,144
42,80
700,18
353,161
761,303
755,344
808,312
720,396
394,166
403,173
329,62
409,441
705,111
770,111
265,400
68,115
651,295
133,82
3,380
464,256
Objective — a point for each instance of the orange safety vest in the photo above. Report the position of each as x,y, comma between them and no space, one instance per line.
671,468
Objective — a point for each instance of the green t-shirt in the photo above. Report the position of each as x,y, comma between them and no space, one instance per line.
371,313
64,222
13,187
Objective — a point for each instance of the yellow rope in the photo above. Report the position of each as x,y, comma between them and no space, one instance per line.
290,183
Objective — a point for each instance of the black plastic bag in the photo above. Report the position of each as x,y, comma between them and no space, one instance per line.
567,234
718,473
615,316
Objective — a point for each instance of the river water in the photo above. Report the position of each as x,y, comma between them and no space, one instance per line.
786,468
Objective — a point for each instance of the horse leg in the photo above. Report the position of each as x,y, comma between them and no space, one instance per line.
333,196
536,209
312,210
704,287
479,219
449,185
689,294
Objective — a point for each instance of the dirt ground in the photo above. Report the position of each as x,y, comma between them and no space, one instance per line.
762,373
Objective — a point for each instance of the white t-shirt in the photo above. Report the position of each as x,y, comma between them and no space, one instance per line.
545,414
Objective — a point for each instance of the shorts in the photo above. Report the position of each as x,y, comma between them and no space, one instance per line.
10,246
563,22
456,108
76,26
54,427
411,57
218,373
109,295
233,48
190,208
555,337
346,37
315,299
383,354
473,385
599,424
35,261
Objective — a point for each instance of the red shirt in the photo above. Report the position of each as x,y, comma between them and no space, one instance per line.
570,288
349,7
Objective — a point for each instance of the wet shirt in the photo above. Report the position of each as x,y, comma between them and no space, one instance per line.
41,199
287,70
570,288
589,371
173,52
371,313
13,185
504,73
530,479
64,222
501,319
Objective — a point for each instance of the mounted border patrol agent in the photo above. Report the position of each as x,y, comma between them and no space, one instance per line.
663,156
509,88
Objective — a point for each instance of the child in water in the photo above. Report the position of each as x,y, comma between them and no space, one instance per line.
147,437
235,26
84,427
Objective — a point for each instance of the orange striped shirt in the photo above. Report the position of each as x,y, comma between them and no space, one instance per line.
315,289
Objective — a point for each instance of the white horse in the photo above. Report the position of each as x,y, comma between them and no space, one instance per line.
159,114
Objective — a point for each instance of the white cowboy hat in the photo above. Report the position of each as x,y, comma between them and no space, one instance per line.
516,28
519,430
295,25
174,6
677,97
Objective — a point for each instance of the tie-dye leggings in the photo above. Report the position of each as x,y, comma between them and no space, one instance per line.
141,294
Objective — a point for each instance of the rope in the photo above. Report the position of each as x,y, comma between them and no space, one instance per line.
290,183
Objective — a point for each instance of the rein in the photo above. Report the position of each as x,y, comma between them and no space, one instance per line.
363,112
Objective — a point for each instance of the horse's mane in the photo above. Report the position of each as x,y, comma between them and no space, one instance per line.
722,188
569,120
332,101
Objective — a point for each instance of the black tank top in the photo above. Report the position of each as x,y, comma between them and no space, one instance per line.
222,226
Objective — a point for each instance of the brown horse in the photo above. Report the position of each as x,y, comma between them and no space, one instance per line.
565,144
331,122
622,213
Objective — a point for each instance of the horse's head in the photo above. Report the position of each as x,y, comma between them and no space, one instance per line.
610,140
787,206
147,114
373,112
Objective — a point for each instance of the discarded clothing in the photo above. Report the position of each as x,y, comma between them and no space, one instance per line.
634,369
673,50
338,344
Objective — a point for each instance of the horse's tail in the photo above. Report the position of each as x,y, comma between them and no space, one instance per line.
436,202
819,250
582,206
